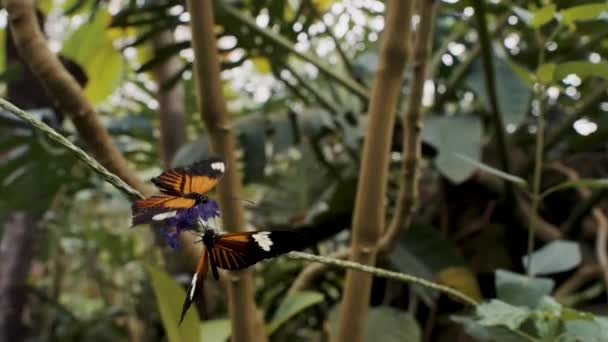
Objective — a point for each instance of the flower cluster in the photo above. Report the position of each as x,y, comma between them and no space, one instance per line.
186,219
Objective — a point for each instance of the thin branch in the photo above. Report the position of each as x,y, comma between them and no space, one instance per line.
345,81
246,323
368,216
460,71
311,272
171,111
328,30
601,242
50,133
407,197
581,109
70,97
584,274
582,209
383,273
488,65
319,97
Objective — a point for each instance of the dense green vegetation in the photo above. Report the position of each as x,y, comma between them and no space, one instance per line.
499,196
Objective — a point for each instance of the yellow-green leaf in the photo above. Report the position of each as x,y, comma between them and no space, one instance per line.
543,16
582,12
461,279
261,64
169,298
215,330
545,73
92,48
292,305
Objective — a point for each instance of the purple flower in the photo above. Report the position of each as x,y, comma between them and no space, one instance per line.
170,238
187,218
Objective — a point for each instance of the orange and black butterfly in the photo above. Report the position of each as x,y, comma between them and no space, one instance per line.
182,188
235,251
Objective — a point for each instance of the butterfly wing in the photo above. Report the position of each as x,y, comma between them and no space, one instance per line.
235,251
158,208
197,178
196,285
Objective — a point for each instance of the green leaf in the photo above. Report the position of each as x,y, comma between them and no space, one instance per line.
543,16
520,290
425,253
291,306
499,313
484,333
388,324
556,256
579,183
524,14
252,139
582,69
215,330
169,298
384,323
582,12
546,73
496,172
513,94
583,330
547,318
451,136
91,46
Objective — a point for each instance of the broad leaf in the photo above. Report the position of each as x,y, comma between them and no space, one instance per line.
556,256
583,12
452,136
513,94
385,324
424,253
543,15
291,306
520,290
215,330
499,313
496,172
169,298
92,47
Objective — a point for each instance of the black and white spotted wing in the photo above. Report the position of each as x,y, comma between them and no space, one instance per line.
236,251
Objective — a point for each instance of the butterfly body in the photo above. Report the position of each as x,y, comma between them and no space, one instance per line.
236,251
181,188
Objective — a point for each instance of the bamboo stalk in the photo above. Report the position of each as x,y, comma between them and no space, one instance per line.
412,122
241,306
368,218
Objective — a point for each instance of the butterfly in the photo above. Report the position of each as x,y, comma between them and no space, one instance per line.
181,188
236,251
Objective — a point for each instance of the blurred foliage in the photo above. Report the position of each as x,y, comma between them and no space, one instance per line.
300,135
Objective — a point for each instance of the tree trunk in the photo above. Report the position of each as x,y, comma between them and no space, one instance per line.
246,323
368,218
15,256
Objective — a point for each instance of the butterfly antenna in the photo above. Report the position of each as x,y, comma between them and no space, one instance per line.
244,200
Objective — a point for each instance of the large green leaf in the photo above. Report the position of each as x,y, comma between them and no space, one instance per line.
582,12
513,94
520,290
291,306
384,323
425,253
169,298
556,256
92,47
452,136
215,330
499,313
